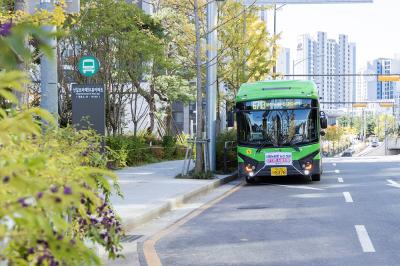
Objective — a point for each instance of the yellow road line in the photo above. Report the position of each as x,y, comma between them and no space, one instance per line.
149,250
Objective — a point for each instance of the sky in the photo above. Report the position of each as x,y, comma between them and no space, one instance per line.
374,27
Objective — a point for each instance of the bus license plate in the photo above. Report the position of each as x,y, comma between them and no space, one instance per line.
278,171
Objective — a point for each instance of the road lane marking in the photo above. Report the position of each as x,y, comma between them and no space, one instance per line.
364,239
334,164
340,180
393,183
149,250
337,171
347,197
298,187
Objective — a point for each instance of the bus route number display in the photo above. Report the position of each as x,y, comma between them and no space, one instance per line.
280,104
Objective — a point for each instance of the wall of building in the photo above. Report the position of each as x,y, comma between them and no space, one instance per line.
323,56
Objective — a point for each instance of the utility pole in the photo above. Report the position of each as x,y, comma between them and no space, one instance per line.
212,50
20,5
48,69
274,47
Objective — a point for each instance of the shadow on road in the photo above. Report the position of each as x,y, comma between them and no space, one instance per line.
281,180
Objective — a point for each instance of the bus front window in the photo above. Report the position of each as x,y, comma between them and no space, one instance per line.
280,127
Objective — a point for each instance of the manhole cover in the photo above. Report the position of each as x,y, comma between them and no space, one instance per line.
130,238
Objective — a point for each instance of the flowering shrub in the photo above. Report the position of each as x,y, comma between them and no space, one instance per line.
54,191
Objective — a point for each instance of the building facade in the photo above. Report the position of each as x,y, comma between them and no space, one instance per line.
330,61
283,62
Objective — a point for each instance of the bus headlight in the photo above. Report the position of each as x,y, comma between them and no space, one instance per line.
307,166
249,168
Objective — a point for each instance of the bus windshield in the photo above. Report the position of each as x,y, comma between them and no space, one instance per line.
277,128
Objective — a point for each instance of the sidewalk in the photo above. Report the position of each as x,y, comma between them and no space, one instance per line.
151,190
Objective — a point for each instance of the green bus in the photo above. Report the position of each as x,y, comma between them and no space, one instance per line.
278,129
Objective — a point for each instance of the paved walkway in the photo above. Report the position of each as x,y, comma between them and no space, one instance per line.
152,190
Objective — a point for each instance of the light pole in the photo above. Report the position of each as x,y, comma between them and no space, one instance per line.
294,63
274,36
48,69
211,82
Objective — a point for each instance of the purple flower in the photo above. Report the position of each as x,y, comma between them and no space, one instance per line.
53,189
22,202
6,179
58,199
31,251
5,29
67,190
39,194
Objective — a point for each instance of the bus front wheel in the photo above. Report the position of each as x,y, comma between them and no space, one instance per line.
316,177
250,180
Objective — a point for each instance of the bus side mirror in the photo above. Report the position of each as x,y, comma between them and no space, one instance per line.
230,118
323,120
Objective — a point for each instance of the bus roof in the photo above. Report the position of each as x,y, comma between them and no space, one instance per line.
275,89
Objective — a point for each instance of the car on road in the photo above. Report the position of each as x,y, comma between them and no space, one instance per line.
374,143
347,154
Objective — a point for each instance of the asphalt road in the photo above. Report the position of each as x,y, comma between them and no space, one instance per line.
351,217
374,151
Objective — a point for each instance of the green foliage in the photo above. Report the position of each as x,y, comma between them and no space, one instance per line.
54,195
201,175
169,144
129,150
247,50
231,151
334,133
385,123
135,148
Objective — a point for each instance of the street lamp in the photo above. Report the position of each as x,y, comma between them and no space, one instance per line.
211,80
302,60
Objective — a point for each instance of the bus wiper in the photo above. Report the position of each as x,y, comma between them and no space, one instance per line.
265,143
295,145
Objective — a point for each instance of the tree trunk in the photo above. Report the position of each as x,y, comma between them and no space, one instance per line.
199,114
152,106
168,121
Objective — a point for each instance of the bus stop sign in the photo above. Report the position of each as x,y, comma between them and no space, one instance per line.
88,107
88,66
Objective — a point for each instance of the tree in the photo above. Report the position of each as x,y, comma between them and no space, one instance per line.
334,134
125,40
385,122
246,47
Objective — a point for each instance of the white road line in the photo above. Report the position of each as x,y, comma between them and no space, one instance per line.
347,197
364,239
334,164
337,171
393,183
299,187
340,180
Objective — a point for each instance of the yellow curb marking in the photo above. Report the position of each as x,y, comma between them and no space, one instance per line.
149,251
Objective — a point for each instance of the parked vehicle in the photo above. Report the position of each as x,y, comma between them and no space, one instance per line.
347,154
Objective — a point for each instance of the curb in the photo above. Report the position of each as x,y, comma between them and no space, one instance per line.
131,224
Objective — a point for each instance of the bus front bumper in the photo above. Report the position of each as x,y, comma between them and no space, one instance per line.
266,171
